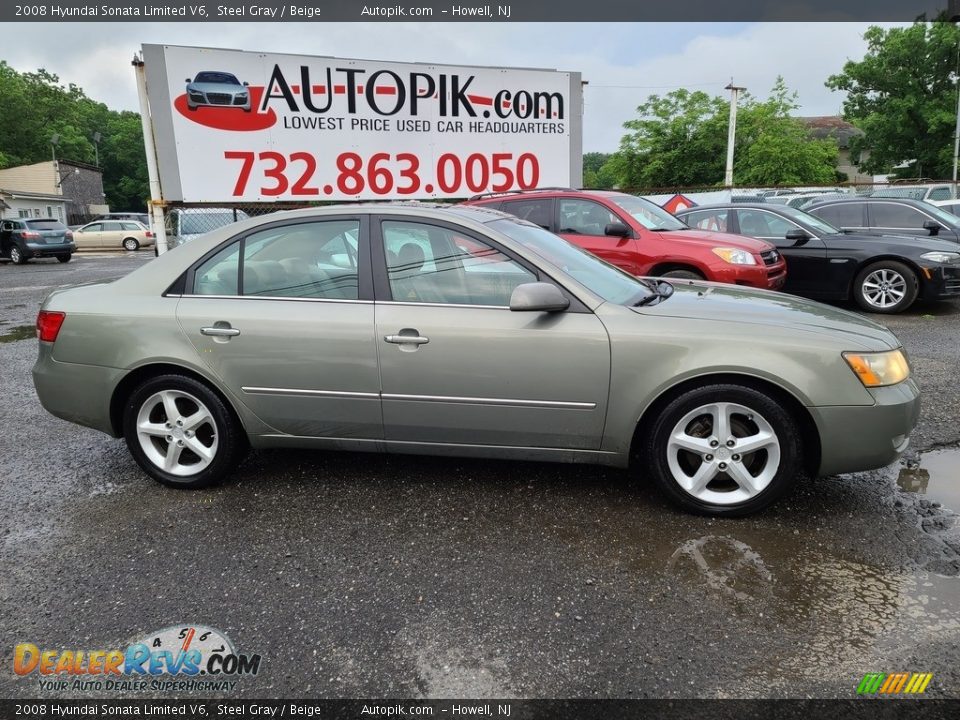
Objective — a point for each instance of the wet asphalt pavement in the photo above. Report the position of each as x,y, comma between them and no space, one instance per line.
366,576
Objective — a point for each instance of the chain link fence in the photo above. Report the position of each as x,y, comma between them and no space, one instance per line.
185,221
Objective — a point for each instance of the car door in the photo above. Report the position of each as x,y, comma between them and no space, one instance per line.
539,211
896,219
458,366
284,318
583,223
807,265
7,228
112,235
88,236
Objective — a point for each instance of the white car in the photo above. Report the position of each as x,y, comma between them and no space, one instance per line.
112,235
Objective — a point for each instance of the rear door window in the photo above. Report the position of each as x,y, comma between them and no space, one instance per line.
539,211
841,215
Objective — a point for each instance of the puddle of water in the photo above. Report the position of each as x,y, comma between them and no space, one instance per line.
936,476
20,332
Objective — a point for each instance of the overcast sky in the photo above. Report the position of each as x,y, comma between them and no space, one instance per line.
623,62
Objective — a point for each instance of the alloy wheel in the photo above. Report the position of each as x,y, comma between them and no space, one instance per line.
884,288
177,432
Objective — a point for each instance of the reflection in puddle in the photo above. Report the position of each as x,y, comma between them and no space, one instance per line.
724,564
937,476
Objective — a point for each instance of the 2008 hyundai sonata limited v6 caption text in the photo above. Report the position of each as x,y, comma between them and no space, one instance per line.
465,331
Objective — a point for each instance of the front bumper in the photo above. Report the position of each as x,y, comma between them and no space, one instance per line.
864,437
764,277
940,281
44,250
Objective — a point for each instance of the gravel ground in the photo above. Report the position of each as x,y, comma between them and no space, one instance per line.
366,576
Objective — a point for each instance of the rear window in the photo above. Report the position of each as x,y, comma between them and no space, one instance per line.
45,225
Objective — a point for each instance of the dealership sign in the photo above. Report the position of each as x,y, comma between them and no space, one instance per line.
245,126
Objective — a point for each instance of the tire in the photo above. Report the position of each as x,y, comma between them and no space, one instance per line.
131,244
885,287
17,256
218,432
64,258
682,438
683,275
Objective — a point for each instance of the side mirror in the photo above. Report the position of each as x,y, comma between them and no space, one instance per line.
245,83
617,229
797,235
189,80
932,226
538,297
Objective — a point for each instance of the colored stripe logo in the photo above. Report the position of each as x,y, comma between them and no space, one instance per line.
894,683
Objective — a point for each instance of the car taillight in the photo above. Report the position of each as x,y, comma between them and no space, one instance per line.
69,235
30,235
149,233
49,324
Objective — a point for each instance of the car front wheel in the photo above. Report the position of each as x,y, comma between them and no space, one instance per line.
683,275
886,287
724,449
181,433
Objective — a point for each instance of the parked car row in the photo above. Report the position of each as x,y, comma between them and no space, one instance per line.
883,259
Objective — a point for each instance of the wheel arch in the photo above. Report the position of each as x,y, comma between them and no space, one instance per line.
863,264
665,266
810,435
137,376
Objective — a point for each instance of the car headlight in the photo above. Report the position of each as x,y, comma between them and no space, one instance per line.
734,256
876,369
940,256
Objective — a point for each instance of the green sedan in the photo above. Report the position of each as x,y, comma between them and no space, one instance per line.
464,331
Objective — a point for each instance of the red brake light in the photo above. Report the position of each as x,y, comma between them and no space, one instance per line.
69,235
149,233
49,324
30,235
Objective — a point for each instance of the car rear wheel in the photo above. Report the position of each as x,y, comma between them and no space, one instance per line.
131,244
726,450
64,258
17,256
886,287
181,433
683,275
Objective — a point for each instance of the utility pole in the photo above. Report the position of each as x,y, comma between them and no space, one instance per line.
731,131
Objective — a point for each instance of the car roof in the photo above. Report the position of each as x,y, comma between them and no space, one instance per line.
547,191
906,201
733,206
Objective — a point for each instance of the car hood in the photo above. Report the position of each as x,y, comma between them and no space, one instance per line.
704,238
217,87
735,304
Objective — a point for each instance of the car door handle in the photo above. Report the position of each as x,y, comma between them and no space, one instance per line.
220,331
406,339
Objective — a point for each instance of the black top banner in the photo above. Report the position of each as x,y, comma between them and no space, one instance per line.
474,11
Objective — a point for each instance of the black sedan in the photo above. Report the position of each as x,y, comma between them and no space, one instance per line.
898,216
883,273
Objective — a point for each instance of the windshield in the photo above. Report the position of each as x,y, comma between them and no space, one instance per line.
205,222
648,214
45,225
948,219
216,77
820,226
610,283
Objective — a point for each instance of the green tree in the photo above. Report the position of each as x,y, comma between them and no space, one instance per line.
903,96
34,106
680,139
597,171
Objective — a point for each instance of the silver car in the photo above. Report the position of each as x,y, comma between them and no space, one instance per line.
217,89
464,331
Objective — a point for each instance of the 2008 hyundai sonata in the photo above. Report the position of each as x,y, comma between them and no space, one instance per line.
464,331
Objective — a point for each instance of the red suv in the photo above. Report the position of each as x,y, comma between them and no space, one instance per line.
642,238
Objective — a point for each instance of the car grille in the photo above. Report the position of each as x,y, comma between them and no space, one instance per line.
770,257
239,100
218,98
951,281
